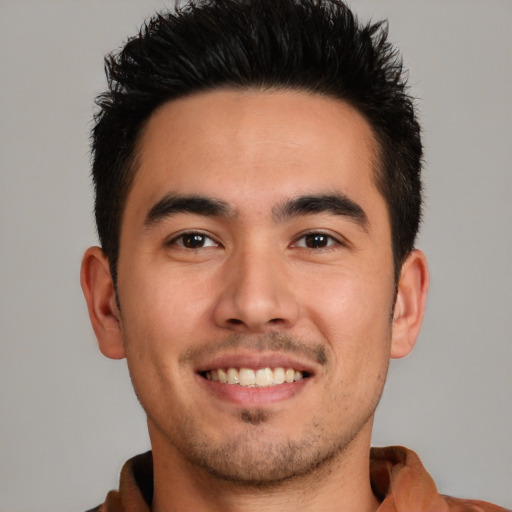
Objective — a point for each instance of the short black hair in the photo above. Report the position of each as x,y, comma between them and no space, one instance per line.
318,46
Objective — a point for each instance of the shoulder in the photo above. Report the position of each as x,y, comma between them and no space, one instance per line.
462,505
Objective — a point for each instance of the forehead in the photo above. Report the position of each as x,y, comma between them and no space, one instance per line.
249,146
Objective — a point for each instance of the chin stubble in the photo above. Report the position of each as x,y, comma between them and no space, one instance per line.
251,457
255,417
254,460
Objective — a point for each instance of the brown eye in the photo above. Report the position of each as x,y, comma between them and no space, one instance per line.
316,241
194,241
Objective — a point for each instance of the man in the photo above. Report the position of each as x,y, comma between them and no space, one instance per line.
257,172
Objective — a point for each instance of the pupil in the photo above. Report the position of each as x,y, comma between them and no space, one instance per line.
193,241
315,241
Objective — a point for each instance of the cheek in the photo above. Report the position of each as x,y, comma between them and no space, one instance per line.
157,325
165,302
353,316
351,310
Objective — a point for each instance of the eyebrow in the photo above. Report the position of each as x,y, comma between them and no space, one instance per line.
337,204
172,204
311,204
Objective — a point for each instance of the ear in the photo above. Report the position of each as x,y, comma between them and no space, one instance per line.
410,304
98,289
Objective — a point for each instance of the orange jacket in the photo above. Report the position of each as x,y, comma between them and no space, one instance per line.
398,480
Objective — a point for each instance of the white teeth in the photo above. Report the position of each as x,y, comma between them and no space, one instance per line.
279,376
263,377
247,377
232,376
223,376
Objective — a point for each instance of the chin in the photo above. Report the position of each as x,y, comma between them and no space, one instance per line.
254,457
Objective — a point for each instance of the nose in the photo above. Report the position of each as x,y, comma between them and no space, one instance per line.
256,294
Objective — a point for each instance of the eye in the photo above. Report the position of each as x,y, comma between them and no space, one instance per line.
193,241
316,241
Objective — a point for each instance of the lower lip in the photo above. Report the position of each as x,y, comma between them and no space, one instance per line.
254,396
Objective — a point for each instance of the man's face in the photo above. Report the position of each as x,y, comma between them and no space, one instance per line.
254,238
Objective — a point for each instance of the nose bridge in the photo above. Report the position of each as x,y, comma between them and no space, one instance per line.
256,295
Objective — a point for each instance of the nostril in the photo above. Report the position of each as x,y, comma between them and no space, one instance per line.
235,321
276,321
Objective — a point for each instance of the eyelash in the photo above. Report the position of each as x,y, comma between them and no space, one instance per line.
306,238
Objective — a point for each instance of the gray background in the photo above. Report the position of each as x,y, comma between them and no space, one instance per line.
68,417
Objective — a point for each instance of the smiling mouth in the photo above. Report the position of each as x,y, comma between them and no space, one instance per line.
259,378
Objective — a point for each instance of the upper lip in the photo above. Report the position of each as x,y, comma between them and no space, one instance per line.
247,359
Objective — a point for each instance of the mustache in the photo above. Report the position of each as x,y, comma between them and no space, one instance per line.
272,341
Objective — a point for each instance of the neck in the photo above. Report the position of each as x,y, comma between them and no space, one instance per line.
342,483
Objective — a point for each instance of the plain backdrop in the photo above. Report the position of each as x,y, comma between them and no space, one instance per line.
68,416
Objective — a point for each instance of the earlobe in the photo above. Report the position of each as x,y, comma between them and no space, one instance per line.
410,304
99,293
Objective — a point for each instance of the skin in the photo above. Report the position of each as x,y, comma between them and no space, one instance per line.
257,291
